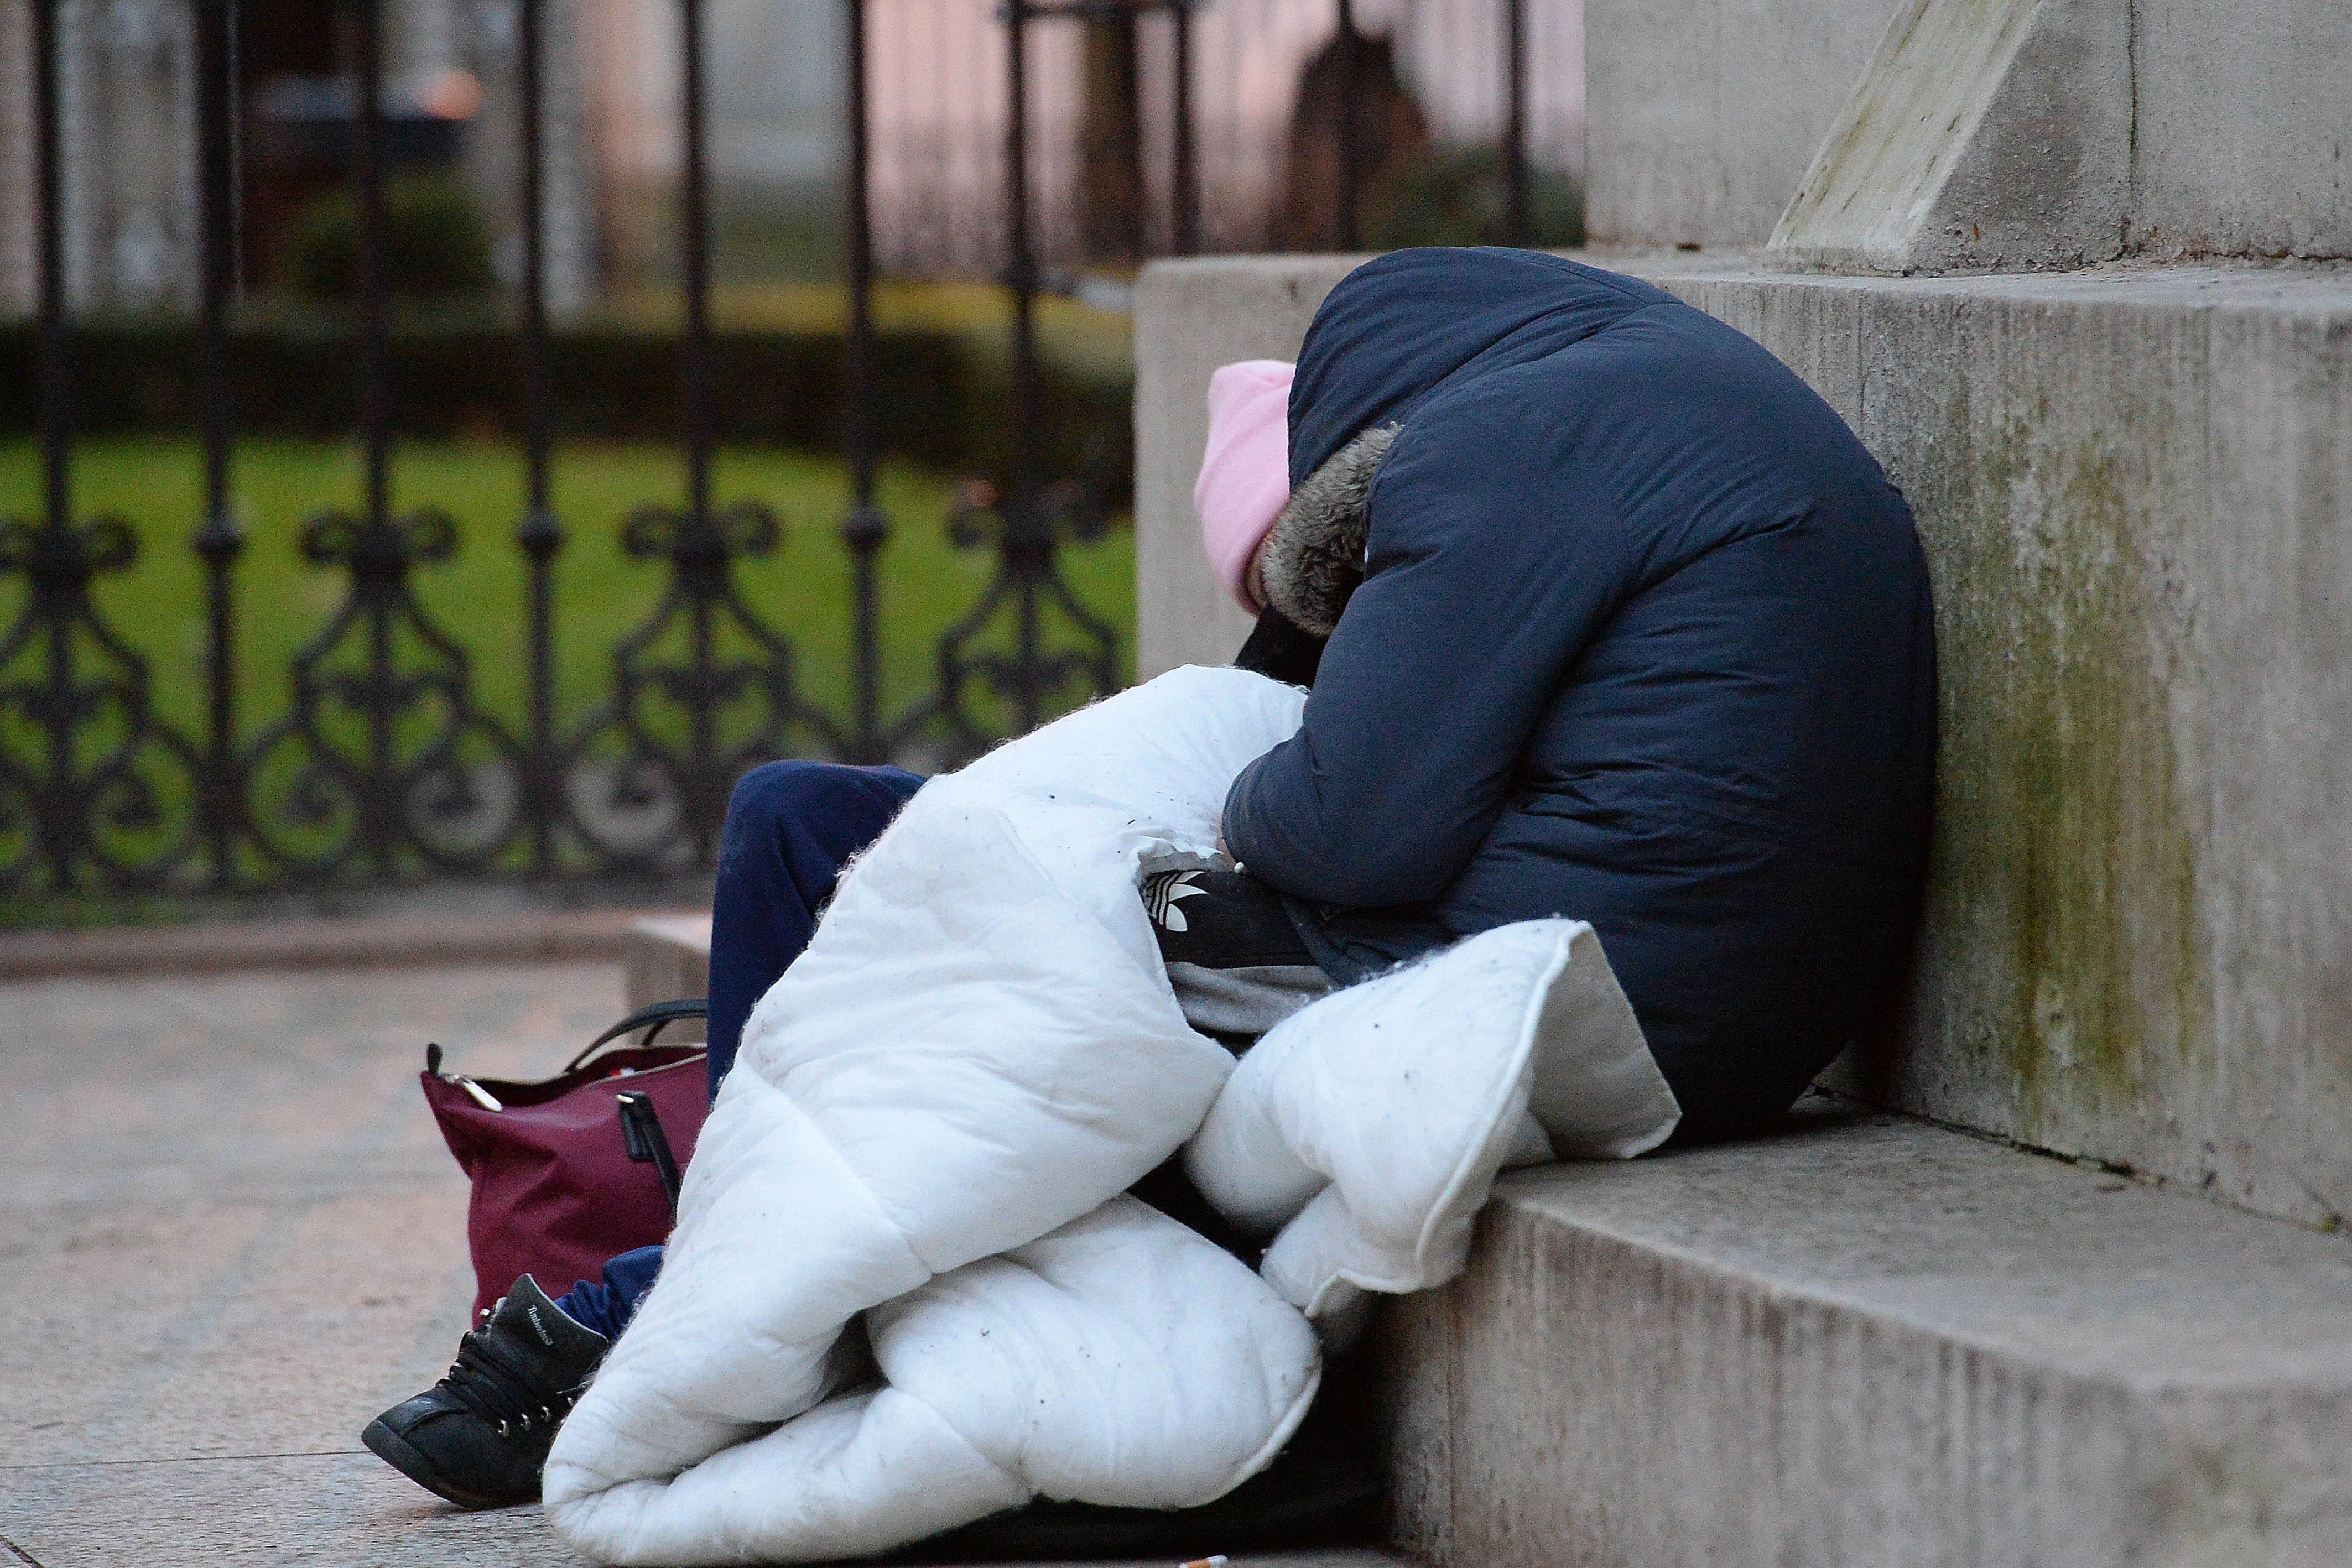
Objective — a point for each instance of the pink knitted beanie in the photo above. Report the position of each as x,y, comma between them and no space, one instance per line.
1245,471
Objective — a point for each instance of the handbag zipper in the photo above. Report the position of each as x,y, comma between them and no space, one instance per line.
481,1096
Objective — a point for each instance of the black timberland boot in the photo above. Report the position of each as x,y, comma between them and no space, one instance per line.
479,1436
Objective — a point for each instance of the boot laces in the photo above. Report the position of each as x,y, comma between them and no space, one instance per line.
496,1390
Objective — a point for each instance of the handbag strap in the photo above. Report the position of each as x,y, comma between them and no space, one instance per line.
652,1020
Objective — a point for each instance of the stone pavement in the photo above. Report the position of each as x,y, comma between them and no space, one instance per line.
229,1235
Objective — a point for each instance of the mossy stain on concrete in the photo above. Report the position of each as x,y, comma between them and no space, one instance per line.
2067,864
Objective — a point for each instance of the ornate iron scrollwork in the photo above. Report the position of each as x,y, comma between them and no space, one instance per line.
80,741
652,769
384,763
997,673
391,762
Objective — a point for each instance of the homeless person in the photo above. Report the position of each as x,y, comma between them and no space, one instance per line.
1604,615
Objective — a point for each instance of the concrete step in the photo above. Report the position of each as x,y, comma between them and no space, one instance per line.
1870,1341
1874,1342
665,957
442,926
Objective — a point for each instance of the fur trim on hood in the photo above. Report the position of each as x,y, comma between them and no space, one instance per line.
1313,557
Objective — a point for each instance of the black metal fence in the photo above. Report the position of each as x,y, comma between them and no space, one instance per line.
384,763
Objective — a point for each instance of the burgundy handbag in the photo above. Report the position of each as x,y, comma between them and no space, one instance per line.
558,1186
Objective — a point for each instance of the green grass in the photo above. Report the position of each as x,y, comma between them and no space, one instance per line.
478,597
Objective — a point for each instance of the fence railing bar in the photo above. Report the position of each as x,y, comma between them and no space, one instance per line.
216,221
374,279
1184,174
694,259
537,411
540,534
865,528
1351,129
219,536
57,370
694,238
380,806
59,841
1021,265
1518,222
1025,524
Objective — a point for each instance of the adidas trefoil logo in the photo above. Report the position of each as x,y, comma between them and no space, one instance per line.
1160,894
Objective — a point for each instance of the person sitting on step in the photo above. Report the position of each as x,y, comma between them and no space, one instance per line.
1603,613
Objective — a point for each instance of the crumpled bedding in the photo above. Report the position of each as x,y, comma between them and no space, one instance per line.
905,1291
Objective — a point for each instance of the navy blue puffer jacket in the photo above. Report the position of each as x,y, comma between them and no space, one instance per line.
1643,637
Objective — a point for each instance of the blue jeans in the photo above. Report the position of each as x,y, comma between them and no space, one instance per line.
790,829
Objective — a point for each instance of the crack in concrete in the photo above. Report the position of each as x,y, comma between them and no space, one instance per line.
20,1554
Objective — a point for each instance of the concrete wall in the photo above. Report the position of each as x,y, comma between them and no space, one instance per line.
2243,128
2224,130
1987,136
2132,489
1701,120
1192,317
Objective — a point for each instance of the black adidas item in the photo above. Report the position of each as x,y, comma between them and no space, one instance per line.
1220,920
1234,956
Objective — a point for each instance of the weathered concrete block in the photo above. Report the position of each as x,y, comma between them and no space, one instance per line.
665,957
1993,135
1701,119
2132,489
2132,486
1985,136
2244,127
1190,318
1880,1343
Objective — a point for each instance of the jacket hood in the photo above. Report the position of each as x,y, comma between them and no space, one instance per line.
1395,332
1402,326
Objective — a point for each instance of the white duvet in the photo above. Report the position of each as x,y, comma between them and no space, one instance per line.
904,1291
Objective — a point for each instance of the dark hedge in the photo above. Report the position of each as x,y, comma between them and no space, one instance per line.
940,402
